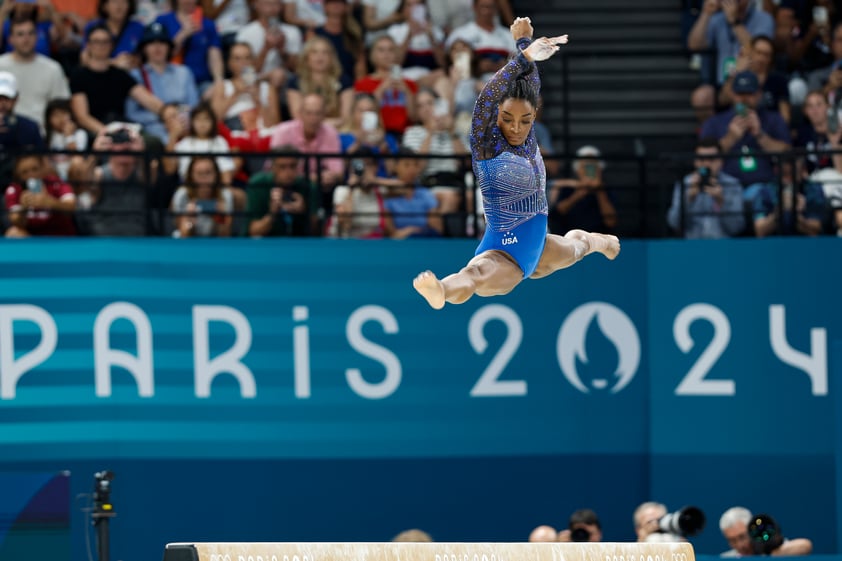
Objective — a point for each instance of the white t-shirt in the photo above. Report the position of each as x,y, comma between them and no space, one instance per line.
203,225
499,41
441,144
39,82
255,35
233,17
310,10
58,141
382,9
450,14
216,145
418,44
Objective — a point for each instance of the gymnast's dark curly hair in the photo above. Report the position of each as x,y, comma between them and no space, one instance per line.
522,89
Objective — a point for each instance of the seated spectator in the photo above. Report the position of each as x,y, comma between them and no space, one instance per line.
734,525
49,27
413,536
345,34
420,44
491,42
229,16
244,102
805,40
203,137
828,78
396,95
582,526
100,90
282,202
582,202
816,139
306,14
312,135
726,28
377,16
758,59
171,83
646,517
435,136
40,79
203,206
276,45
365,129
17,133
461,85
117,16
707,203
113,196
543,534
320,72
63,133
744,128
39,204
196,42
411,209
791,209
359,209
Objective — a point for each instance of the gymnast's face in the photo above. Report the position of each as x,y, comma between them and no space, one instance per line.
515,118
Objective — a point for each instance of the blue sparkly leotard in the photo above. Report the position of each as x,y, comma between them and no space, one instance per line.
512,179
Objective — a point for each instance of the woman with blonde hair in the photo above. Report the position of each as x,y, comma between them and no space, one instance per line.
319,72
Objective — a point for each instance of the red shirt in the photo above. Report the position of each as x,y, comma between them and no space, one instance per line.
44,222
392,106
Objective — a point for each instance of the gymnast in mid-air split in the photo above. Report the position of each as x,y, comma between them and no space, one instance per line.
511,175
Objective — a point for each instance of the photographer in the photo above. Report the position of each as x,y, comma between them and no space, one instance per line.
583,526
757,535
653,524
583,202
707,203
359,206
281,202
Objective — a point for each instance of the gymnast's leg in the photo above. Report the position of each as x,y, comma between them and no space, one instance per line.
560,252
491,273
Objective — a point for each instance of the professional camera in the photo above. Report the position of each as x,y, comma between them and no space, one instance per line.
580,535
120,136
765,534
102,490
687,521
358,167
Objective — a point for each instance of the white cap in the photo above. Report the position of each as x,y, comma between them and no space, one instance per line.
8,85
588,152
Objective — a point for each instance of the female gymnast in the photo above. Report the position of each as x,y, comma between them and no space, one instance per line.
511,175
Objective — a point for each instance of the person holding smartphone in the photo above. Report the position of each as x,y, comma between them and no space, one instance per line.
583,202
39,204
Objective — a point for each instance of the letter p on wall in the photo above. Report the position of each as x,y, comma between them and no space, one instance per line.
13,368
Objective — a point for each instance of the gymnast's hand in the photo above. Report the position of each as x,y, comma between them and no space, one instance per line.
544,48
520,28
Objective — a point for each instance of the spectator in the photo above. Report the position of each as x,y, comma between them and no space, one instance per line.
100,90
396,95
707,203
582,526
113,197
169,82
814,136
461,85
802,39
359,208
543,534
40,79
491,42
378,15
276,45
116,16
582,202
828,79
203,138
790,209
346,36
646,518
320,72
726,27
203,206
414,536
229,16
48,24
306,14
282,202
745,128
63,133
312,135
435,136
734,524
365,129
244,102
39,204
411,209
758,59
420,44
196,42
17,133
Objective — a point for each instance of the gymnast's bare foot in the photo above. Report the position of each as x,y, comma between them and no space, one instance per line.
430,288
612,245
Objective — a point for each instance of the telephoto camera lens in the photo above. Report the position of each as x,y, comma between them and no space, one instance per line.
580,535
765,534
687,521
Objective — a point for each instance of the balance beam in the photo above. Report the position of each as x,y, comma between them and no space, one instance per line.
429,552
